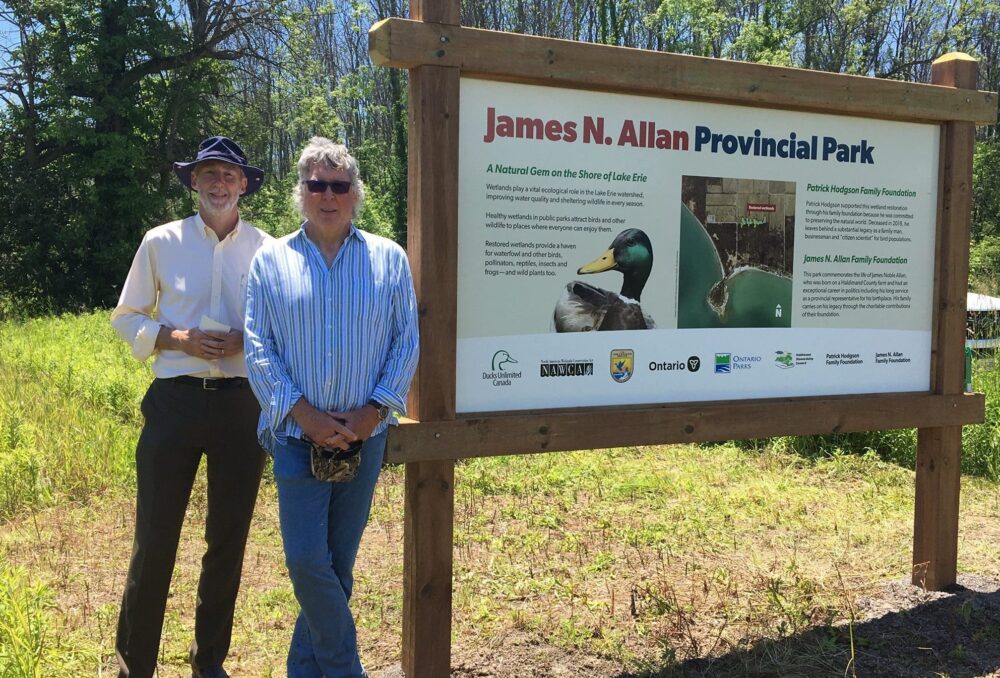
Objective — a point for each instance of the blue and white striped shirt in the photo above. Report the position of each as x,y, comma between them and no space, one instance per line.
337,335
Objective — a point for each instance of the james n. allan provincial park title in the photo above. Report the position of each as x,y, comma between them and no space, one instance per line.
648,134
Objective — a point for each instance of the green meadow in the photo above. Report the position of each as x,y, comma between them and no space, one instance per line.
756,558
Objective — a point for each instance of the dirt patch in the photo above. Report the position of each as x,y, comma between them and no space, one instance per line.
900,631
518,656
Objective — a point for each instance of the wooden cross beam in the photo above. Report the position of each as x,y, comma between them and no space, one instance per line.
547,61
599,428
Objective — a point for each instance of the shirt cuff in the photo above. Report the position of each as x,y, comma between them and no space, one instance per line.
144,344
283,398
387,397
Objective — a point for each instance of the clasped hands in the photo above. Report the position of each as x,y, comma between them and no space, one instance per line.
335,429
208,344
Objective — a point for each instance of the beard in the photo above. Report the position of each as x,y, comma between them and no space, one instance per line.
213,208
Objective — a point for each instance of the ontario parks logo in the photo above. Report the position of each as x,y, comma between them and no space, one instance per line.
622,364
726,363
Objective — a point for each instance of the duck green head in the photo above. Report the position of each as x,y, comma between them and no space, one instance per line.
632,254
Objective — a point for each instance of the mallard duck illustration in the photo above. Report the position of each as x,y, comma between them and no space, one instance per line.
583,307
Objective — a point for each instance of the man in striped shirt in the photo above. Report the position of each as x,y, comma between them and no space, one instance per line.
331,347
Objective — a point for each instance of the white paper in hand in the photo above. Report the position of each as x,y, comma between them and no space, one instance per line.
206,324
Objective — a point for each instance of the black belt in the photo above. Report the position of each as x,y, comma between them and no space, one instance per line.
211,383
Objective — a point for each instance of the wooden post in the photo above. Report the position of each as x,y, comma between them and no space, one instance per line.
433,250
939,450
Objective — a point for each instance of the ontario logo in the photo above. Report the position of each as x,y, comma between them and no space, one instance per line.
501,373
723,363
693,364
622,364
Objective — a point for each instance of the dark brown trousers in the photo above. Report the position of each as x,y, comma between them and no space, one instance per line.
184,422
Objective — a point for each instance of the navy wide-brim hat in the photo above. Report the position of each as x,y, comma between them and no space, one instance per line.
225,150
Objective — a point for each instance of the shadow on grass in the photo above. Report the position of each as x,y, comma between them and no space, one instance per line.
910,633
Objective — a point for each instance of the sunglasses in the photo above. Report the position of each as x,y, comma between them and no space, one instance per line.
317,186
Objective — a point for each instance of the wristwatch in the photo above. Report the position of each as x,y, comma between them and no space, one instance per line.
382,410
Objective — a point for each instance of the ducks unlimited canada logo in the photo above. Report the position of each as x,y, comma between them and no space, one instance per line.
622,364
501,372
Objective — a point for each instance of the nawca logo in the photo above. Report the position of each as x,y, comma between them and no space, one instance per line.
622,364
501,359
784,360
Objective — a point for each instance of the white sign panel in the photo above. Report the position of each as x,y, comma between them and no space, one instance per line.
623,250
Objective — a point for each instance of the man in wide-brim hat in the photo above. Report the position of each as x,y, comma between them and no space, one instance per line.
183,305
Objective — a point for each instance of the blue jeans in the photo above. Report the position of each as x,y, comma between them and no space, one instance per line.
321,527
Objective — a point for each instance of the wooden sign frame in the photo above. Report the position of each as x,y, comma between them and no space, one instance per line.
437,50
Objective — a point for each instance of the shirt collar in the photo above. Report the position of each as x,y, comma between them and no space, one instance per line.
310,246
353,233
205,232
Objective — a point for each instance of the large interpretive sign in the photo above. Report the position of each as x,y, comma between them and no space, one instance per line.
618,249
720,270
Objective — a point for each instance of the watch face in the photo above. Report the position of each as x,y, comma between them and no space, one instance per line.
380,409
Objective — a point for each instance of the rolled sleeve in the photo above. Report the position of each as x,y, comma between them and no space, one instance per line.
283,398
276,392
144,345
401,362
132,318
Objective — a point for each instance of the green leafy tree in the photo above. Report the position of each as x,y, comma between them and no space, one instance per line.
101,96
319,80
984,253
986,191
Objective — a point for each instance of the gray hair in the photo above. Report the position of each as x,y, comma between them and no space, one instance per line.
321,150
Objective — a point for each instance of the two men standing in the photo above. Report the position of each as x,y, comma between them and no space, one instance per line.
331,347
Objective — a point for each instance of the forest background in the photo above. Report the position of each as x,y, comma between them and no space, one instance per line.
99,97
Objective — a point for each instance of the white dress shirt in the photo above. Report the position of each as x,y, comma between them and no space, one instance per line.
180,273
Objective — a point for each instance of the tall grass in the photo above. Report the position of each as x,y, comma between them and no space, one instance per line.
981,442
32,643
69,415
23,625
69,411
80,356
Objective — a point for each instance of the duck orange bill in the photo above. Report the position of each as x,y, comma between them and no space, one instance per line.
605,262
